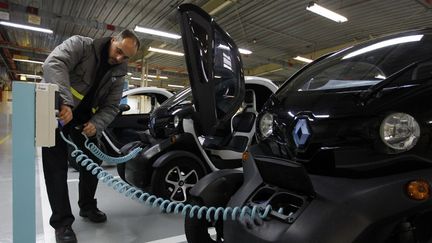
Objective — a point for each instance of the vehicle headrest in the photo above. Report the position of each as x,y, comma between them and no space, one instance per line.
250,100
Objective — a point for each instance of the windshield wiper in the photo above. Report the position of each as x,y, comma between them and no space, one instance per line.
371,92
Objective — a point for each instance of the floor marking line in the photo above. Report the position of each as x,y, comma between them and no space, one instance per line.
49,235
178,238
4,139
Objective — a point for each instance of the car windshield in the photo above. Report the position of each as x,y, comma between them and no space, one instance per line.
184,97
362,66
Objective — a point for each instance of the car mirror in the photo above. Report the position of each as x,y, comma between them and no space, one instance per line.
124,107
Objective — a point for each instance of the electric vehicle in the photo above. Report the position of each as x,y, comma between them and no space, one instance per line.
201,129
178,154
343,154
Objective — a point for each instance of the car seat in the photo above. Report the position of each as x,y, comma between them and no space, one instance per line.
242,132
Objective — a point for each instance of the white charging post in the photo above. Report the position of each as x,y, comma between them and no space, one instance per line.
33,124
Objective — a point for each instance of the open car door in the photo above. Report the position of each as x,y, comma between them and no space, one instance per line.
214,66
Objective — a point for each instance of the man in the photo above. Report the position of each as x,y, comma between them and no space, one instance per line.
90,75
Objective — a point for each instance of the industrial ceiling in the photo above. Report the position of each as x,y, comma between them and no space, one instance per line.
274,30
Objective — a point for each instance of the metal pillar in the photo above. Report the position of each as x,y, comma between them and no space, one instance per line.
23,162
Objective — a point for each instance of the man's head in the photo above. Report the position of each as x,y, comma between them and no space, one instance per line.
123,46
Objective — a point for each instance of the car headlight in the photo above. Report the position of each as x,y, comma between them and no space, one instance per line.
400,131
266,125
176,121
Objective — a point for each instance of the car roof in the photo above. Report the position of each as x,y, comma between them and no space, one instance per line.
261,81
154,90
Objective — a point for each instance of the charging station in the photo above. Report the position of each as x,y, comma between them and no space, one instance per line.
33,124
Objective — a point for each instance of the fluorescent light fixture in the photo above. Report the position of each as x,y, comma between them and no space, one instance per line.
26,27
175,53
25,60
386,43
156,32
151,76
130,74
245,51
303,59
135,78
220,7
154,76
241,50
30,76
313,7
175,86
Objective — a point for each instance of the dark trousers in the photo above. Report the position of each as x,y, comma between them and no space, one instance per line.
55,166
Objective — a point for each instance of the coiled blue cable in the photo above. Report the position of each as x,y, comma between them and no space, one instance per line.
211,213
109,159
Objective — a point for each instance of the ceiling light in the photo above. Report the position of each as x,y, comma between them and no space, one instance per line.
165,51
313,7
154,76
31,76
175,86
156,32
245,51
135,78
241,50
29,61
394,41
303,59
220,7
130,74
27,27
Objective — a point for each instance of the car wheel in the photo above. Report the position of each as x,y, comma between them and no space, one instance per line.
174,179
201,230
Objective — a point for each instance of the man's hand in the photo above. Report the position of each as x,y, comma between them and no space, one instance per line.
89,129
65,114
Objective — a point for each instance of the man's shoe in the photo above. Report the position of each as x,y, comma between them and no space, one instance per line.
65,235
94,215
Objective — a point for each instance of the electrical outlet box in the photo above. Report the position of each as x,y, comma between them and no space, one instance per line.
46,110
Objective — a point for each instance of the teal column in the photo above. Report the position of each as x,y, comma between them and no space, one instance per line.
23,162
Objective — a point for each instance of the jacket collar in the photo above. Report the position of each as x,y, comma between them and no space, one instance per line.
99,44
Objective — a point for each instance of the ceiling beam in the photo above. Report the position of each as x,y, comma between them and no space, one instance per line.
214,6
11,46
83,22
275,65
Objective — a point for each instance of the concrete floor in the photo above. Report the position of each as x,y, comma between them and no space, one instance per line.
128,221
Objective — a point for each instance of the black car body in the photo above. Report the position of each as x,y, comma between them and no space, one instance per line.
344,151
332,114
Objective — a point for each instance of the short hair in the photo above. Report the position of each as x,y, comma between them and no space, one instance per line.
126,33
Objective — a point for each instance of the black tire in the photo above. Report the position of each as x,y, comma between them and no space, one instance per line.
167,183
197,230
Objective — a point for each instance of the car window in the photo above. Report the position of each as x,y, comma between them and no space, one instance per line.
363,66
141,104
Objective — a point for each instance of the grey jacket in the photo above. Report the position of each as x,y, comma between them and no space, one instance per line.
73,65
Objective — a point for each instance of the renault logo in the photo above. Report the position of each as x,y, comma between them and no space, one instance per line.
301,133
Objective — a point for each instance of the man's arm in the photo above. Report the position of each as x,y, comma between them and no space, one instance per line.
60,62
109,109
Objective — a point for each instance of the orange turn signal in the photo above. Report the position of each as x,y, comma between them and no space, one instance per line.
418,190
245,156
